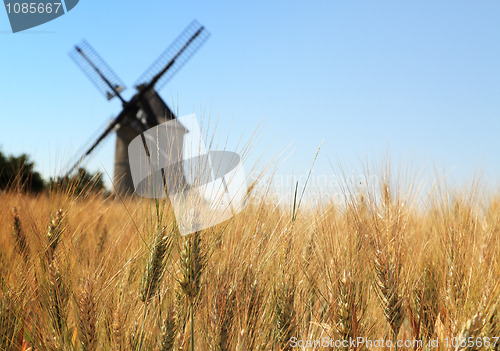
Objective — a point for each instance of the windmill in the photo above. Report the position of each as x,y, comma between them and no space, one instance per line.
146,109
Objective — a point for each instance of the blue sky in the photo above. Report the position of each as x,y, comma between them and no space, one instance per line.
420,78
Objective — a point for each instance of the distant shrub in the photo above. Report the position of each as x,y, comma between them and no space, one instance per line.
82,182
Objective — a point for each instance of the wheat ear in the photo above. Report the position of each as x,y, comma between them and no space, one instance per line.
88,316
155,266
19,235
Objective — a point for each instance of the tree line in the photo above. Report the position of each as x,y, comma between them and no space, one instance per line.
18,173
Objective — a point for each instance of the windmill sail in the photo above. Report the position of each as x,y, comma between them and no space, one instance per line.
97,70
174,57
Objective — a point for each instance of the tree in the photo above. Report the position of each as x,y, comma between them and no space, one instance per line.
17,172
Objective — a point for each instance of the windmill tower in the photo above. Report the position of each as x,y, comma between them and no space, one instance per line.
146,109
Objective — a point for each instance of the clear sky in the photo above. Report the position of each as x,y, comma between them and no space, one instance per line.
418,78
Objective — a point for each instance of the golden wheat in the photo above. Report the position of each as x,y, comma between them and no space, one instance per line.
104,277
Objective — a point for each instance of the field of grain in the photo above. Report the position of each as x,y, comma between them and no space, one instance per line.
89,273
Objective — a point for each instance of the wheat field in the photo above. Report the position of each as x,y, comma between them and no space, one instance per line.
96,273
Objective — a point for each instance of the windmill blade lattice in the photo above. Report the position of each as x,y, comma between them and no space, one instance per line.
97,70
174,57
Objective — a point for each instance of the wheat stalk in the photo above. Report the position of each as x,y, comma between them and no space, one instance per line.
424,304
221,313
88,316
387,283
192,262
155,266
9,320
168,331
19,235
58,298
284,312
54,234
